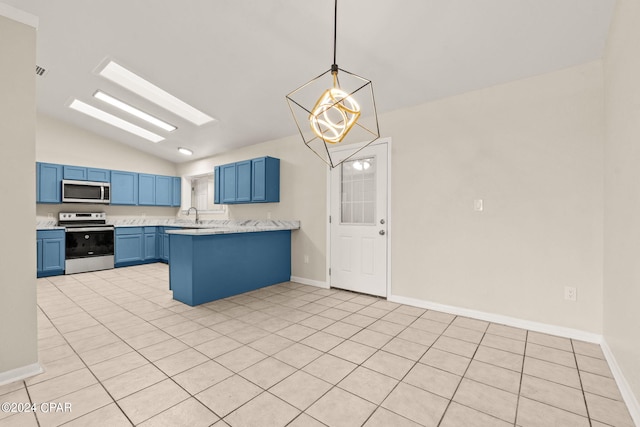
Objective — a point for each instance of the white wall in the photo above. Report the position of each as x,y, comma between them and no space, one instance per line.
58,142
18,328
532,149
622,193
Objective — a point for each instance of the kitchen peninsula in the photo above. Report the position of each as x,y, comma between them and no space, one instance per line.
210,263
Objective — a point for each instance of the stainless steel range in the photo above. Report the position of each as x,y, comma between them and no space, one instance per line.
89,241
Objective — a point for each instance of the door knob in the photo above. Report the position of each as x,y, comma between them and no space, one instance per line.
382,221
382,233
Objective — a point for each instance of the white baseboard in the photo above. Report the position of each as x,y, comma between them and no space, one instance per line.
304,281
627,394
504,320
20,373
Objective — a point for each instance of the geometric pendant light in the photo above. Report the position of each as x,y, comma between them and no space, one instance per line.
335,108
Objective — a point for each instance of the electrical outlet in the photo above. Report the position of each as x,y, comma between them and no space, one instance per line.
478,206
306,259
570,293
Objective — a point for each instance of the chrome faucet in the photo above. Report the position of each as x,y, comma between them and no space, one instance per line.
196,209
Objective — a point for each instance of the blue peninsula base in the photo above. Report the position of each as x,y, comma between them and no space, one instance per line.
207,267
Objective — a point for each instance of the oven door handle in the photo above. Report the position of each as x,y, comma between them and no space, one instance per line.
82,229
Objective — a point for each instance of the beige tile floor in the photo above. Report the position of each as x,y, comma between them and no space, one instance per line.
121,351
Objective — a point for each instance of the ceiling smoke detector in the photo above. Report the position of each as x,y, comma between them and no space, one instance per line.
40,71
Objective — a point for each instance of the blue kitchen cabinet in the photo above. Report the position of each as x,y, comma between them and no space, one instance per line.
265,180
48,183
39,256
165,247
163,243
124,188
50,252
243,181
163,190
77,173
81,173
150,243
146,189
129,246
207,267
176,191
249,181
98,175
216,185
228,183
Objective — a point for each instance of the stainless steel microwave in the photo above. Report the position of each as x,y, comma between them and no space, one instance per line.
86,191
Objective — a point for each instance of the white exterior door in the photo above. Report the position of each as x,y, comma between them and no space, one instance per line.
358,229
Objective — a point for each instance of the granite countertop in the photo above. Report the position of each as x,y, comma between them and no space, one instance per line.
259,226
204,227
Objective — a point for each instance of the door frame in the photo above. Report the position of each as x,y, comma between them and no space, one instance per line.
380,141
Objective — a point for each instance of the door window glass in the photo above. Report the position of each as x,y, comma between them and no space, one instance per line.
358,191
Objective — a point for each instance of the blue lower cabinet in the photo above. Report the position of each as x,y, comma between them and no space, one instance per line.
150,244
208,267
137,245
129,246
163,243
50,252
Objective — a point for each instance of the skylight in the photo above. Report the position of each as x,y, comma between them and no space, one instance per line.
134,111
136,84
96,113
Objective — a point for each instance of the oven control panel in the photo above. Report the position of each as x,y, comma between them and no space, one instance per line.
81,216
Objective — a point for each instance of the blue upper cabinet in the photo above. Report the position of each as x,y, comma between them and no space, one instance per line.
228,183
127,188
249,181
98,175
48,183
146,189
243,182
216,184
77,173
176,191
80,173
265,180
124,188
163,190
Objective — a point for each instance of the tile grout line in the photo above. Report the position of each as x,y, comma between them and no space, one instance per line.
524,355
147,292
464,374
121,339
586,406
86,366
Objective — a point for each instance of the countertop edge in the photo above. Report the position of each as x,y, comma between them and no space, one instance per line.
229,230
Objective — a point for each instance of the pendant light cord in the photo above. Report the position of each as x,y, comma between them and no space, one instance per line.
334,67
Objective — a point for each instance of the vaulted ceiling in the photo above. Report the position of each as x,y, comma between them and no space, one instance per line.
236,59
